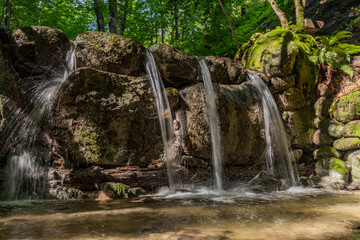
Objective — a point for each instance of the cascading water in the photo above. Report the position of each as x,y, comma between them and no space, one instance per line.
214,125
278,156
26,174
165,118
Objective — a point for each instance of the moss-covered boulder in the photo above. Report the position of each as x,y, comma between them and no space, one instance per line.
321,138
300,124
352,159
344,144
107,119
278,84
273,53
110,52
333,167
321,107
291,99
225,70
38,50
336,130
115,190
352,129
326,151
347,108
177,68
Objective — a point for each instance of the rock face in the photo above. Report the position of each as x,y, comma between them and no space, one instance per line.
177,68
109,52
108,119
38,50
240,115
224,70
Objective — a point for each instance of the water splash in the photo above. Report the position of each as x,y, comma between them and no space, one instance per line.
279,159
165,118
214,125
26,174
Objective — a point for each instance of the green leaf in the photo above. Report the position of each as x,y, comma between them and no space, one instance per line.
347,69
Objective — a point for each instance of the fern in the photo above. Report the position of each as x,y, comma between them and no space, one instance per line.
349,48
338,37
346,69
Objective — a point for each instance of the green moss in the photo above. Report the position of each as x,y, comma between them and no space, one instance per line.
337,165
326,151
347,144
347,107
173,91
116,190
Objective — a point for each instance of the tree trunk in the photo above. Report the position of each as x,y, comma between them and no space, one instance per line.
99,16
113,27
230,24
299,9
8,5
281,15
123,14
176,20
163,35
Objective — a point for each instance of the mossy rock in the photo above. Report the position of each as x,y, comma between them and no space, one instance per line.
321,107
352,129
291,99
273,53
336,130
173,96
347,108
326,151
300,124
115,190
352,159
65,193
321,138
334,167
344,144
278,84
109,52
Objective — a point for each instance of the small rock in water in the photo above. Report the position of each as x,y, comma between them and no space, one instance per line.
350,224
102,196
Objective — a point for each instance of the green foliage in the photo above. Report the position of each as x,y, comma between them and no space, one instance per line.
335,53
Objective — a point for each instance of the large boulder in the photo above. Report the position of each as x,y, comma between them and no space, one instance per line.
301,127
38,50
273,53
241,123
352,159
224,70
347,108
177,68
108,119
344,144
110,52
331,166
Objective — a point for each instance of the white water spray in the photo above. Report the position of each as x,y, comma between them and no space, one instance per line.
26,176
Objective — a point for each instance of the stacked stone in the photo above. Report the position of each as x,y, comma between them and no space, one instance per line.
338,140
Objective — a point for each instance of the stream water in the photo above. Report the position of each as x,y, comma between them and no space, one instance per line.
292,215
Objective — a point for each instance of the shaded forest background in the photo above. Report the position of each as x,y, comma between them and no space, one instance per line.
199,27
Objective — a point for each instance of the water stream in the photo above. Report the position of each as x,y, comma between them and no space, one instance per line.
26,176
165,118
214,124
279,159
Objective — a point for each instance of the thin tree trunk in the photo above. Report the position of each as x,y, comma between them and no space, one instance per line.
123,14
230,24
99,16
299,9
281,15
8,5
176,19
163,35
113,27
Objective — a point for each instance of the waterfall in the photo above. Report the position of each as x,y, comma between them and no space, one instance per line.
26,171
279,158
214,125
165,118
